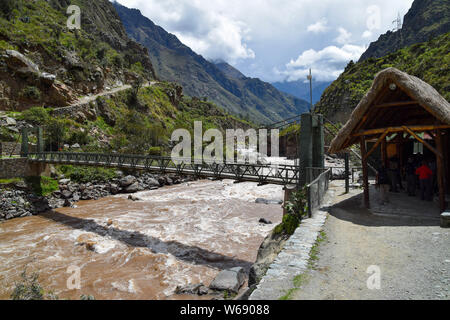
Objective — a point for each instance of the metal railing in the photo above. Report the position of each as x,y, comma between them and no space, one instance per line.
316,191
263,174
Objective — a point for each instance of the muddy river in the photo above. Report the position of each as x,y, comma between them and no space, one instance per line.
178,235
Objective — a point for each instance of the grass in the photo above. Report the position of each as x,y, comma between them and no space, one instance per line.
302,278
42,186
10,181
313,256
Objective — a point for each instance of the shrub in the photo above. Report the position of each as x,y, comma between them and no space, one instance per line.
155,151
80,137
297,209
89,174
35,116
29,288
31,93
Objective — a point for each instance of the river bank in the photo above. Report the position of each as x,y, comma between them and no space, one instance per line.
18,199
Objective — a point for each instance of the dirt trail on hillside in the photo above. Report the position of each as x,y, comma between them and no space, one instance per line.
412,254
87,99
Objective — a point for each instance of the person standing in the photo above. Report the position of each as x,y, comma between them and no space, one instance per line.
410,171
383,183
393,174
425,176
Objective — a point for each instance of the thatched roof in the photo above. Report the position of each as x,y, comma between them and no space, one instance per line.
426,96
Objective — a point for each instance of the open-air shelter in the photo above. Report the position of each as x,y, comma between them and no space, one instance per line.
397,109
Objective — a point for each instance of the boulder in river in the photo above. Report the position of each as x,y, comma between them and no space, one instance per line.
132,188
264,221
127,181
198,289
229,280
133,198
268,201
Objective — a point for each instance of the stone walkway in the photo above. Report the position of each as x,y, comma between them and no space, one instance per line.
293,260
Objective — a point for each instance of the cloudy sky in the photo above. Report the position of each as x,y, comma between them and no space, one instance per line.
277,40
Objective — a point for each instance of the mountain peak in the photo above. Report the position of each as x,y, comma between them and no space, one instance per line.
425,20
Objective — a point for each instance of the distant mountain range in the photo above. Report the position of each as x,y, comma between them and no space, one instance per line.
421,48
219,82
301,89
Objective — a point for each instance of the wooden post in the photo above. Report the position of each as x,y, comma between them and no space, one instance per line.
365,173
347,173
440,169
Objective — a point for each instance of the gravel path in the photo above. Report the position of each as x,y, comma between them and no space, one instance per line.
412,253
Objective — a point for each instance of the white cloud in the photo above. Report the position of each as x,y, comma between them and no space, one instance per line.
260,36
318,27
224,40
327,64
367,34
344,36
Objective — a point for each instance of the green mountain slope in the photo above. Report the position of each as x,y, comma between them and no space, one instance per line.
429,61
44,63
425,20
173,61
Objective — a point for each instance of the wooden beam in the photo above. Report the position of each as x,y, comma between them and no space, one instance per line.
440,170
396,104
365,173
380,139
426,144
400,129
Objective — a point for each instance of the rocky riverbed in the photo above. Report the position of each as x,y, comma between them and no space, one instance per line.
17,200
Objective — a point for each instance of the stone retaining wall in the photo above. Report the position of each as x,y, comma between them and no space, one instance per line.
12,148
14,168
9,148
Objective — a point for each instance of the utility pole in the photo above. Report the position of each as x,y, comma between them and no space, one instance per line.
309,77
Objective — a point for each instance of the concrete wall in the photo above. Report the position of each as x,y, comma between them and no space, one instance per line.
21,168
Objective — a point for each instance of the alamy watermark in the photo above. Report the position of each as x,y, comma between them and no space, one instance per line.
74,280
74,21
374,280
241,146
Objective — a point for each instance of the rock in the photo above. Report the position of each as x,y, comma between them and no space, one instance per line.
264,221
66,194
267,253
189,289
132,188
229,280
127,181
10,121
47,79
266,201
68,203
133,198
19,63
64,181
203,290
114,188
445,220
152,182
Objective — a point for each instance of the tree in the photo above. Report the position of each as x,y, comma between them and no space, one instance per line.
135,87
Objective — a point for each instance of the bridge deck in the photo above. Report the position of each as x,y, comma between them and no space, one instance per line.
260,173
